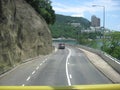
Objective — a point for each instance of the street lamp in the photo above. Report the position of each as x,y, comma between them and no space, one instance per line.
103,19
103,13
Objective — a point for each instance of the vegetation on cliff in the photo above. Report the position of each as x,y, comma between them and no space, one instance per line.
112,44
44,8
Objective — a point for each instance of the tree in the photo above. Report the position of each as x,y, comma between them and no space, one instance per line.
112,44
44,8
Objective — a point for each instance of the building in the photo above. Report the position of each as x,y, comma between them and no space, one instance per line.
95,21
76,24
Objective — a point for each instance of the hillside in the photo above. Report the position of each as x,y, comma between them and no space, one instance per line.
68,26
68,19
23,33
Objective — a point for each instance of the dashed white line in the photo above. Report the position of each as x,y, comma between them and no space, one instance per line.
46,59
33,72
43,61
56,49
68,79
28,78
40,64
37,67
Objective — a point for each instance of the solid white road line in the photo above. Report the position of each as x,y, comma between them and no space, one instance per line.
68,79
33,72
28,78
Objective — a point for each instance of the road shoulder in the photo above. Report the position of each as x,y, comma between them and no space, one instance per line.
101,65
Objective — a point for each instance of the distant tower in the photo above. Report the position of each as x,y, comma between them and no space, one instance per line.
98,22
95,22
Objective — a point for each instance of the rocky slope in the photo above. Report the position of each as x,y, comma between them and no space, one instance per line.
23,33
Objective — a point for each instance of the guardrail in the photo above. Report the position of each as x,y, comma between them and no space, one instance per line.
114,63
78,87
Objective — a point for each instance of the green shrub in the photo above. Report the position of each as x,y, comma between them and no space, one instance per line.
44,8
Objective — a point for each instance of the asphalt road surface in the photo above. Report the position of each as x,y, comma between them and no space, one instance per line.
66,67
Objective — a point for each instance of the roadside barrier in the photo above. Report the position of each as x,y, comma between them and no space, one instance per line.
113,62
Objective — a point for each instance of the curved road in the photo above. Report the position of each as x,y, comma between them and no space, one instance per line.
62,68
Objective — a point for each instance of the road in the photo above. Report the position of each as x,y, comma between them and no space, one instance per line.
62,68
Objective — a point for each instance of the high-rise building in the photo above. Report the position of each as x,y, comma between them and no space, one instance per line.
95,21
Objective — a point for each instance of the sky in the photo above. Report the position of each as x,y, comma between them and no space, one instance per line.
84,8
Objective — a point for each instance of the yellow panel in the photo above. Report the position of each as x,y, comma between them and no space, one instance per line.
75,87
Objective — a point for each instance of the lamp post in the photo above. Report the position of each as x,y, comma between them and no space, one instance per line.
103,19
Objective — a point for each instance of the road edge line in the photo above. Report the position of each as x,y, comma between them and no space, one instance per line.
68,79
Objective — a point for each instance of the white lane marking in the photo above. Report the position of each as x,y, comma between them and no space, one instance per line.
70,76
33,72
68,79
46,59
40,64
43,61
56,49
28,78
37,67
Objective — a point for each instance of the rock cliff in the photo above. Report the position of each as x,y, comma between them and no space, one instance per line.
23,33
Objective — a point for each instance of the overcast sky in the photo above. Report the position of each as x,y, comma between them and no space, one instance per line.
83,8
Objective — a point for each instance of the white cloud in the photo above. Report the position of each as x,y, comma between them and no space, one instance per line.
78,15
110,5
79,10
75,11
113,16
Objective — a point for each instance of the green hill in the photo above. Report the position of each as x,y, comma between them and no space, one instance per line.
67,26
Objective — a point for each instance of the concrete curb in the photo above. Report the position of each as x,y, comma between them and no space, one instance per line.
102,66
